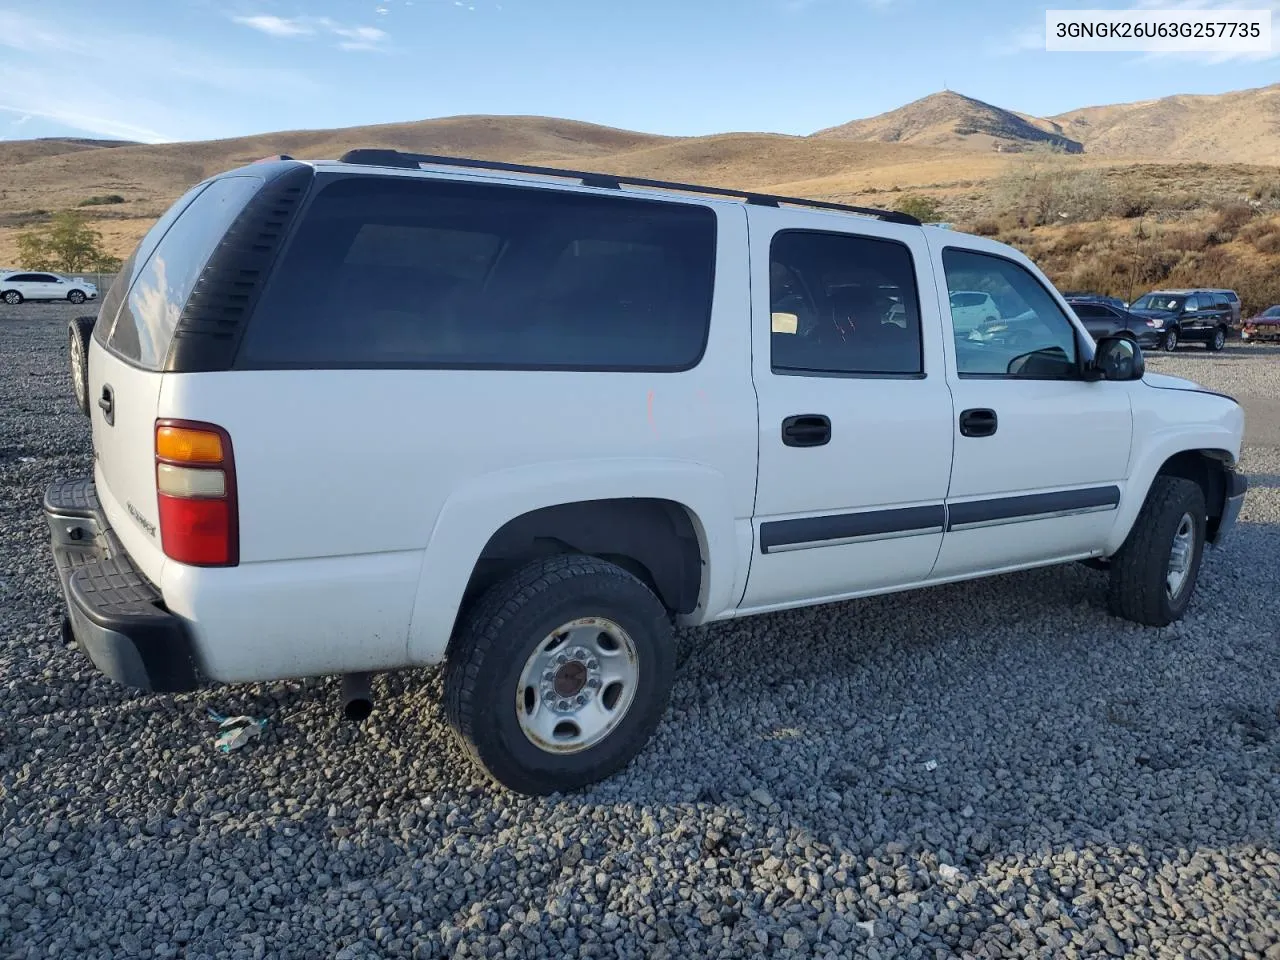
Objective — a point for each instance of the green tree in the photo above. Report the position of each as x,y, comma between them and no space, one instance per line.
923,208
68,244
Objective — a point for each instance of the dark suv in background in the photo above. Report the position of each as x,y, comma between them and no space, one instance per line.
1193,316
1103,319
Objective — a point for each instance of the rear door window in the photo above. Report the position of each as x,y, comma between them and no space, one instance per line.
150,310
411,272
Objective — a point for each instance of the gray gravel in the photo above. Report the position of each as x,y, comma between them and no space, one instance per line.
982,770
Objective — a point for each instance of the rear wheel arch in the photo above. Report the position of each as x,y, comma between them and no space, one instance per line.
661,542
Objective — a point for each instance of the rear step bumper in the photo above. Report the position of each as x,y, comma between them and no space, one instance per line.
116,615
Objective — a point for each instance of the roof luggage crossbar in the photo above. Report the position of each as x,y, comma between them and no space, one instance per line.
416,161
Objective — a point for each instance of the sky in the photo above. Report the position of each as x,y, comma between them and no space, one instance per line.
172,70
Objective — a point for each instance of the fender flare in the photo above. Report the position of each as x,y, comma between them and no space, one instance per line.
1154,456
474,512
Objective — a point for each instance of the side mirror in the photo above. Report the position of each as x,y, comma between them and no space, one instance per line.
1118,358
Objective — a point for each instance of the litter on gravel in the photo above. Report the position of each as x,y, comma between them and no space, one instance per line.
236,731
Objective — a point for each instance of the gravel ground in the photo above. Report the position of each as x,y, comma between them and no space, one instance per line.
989,769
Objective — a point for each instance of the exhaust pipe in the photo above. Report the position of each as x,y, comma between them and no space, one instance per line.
357,696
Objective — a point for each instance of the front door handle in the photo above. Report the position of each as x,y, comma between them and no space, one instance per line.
977,422
107,403
806,430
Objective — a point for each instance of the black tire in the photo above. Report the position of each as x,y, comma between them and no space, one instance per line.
79,331
11,297
1139,570
1219,339
76,296
511,621
1170,341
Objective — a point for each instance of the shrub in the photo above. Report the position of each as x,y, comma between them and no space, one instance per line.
1232,216
1268,243
1264,235
101,200
1047,187
923,208
987,227
1130,205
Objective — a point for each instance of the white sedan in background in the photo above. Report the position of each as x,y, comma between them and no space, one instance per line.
17,286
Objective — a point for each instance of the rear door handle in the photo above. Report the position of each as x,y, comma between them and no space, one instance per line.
806,430
978,422
107,403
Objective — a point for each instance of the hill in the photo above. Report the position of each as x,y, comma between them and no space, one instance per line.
13,152
956,148
1240,127
952,120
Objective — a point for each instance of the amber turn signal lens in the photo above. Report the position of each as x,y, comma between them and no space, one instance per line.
188,446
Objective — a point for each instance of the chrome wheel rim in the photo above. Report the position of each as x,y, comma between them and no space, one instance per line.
1218,340
1184,541
577,685
11,298
1171,340
77,368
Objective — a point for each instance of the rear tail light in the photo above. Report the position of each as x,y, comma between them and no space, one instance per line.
196,490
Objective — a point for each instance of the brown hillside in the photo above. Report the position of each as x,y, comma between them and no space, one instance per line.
1240,127
1177,154
160,172
21,151
951,120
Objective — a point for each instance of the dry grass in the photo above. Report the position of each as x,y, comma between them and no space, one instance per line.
1123,259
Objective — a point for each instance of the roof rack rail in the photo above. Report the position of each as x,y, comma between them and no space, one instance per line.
415,161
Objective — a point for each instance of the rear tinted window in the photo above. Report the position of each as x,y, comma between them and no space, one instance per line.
170,267
397,271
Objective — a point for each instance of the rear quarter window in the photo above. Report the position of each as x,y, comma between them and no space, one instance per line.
410,272
165,267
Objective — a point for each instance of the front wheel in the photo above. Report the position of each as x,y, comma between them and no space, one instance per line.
1154,573
12,297
76,297
1219,339
560,675
1171,340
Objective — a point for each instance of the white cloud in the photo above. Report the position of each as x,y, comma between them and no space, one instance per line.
348,37
118,84
275,26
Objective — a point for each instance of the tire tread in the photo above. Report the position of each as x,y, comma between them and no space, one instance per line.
1136,588
482,633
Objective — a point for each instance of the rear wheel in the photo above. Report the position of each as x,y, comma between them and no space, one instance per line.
560,675
11,297
1170,343
1154,573
76,297
1219,339
79,331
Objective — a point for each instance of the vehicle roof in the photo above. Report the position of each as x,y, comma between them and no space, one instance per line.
1183,291
398,163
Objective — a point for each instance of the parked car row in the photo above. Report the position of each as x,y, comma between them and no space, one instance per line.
1163,318
17,286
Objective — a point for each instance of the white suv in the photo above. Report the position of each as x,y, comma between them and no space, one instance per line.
18,286
971,309
399,410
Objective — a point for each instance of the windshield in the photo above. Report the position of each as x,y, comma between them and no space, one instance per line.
1157,301
1272,311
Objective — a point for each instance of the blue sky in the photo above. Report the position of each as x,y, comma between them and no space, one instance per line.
158,70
